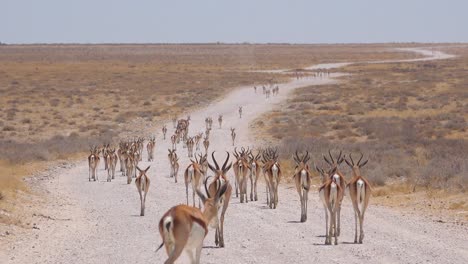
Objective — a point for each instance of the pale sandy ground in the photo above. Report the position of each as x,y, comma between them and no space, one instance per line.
99,222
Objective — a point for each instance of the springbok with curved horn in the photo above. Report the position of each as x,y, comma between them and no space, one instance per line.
360,192
255,169
184,227
240,111
93,161
193,175
174,121
111,161
302,179
272,173
329,193
174,141
174,162
198,137
150,148
220,180
206,144
142,183
190,144
220,121
164,131
129,165
339,179
241,168
233,135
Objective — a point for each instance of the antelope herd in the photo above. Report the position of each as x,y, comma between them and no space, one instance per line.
184,227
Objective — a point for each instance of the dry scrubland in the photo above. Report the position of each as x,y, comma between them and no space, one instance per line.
56,100
409,119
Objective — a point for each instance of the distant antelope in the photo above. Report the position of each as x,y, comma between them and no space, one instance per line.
122,153
129,165
255,89
220,121
174,141
150,148
174,121
218,182
142,183
208,123
233,135
105,149
190,144
340,180
330,193
302,179
359,192
267,93
272,172
254,175
206,144
164,131
198,137
241,169
240,111
193,175
111,160
174,162
184,227
93,161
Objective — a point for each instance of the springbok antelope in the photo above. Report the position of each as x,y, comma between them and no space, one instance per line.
190,144
360,192
330,193
142,183
302,179
198,137
241,169
240,111
174,121
122,153
105,149
164,131
150,148
174,162
208,123
193,175
220,121
254,174
184,227
272,173
218,182
233,135
130,166
206,144
255,89
111,160
174,141
340,180
93,161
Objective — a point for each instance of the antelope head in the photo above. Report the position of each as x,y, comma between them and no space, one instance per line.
356,167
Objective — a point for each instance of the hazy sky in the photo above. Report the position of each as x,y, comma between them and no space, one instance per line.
295,21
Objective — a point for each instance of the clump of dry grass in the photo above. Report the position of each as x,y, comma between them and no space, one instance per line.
409,119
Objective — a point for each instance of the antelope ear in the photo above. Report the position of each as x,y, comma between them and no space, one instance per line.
364,163
332,172
221,191
201,195
211,168
347,162
227,168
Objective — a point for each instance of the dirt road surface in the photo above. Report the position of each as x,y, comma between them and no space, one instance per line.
99,222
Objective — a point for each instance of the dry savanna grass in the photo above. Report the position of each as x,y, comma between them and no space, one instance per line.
409,119
58,100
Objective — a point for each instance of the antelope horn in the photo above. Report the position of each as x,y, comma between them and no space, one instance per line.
306,157
227,159
206,188
331,157
326,160
339,156
359,161
351,157
214,160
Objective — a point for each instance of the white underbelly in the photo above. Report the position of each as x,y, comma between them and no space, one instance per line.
197,234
